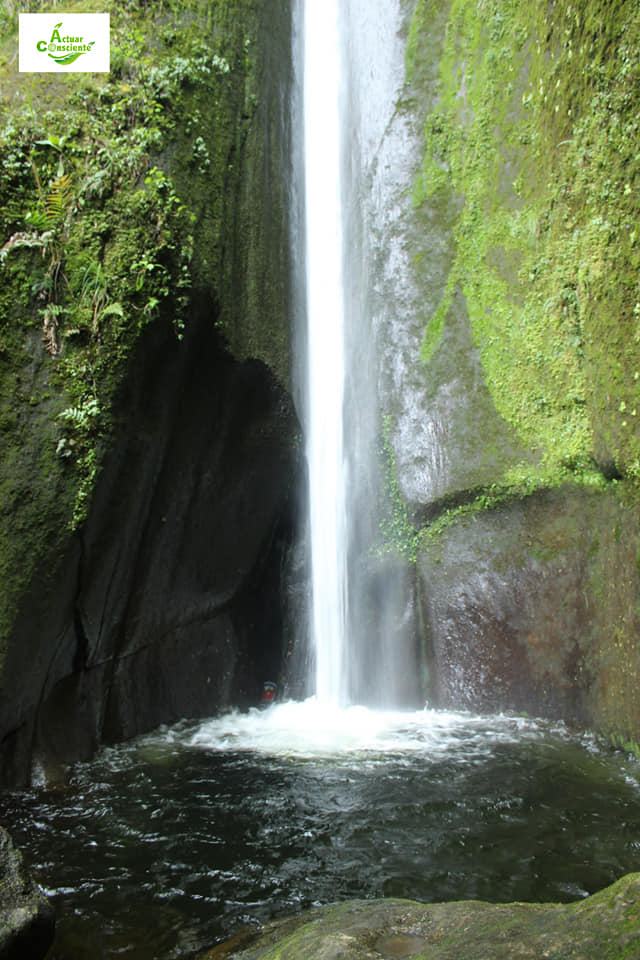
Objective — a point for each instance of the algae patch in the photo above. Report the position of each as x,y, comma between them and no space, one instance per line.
116,194
535,129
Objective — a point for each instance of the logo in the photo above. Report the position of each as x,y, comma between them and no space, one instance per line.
64,50
66,43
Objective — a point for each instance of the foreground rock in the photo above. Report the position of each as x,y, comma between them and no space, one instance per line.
27,920
606,926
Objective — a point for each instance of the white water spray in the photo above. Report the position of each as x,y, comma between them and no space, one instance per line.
325,362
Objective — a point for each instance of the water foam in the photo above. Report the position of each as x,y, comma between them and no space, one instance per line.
315,729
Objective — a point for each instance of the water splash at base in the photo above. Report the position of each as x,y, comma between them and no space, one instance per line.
315,729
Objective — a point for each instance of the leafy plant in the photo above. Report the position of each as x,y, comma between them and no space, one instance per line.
51,315
58,202
93,291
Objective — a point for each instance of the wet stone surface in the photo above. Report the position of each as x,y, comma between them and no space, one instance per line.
400,946
605,926
27,919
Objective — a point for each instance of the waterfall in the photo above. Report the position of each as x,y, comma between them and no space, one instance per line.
325,345
362,610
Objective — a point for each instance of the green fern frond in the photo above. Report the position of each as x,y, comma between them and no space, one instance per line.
58,200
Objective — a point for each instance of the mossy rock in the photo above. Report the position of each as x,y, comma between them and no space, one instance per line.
135,207
27,920
530,169
126,199
603,927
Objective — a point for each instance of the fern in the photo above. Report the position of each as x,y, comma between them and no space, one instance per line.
58,201
94,285
83,416
113,310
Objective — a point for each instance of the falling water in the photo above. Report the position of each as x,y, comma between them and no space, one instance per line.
362,611
326,368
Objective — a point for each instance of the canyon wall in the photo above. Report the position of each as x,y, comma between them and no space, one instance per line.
507,318
150,461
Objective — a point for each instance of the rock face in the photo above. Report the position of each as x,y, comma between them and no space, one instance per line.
531,606
605,926
168,602
27,920
508,385
150,460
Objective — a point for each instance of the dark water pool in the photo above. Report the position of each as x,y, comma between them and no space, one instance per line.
161,847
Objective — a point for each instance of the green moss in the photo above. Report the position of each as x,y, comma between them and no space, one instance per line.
612,578
116,240
118,204
517,484
414,39
405,538
605,925
632,747
434,331
398,534
535,130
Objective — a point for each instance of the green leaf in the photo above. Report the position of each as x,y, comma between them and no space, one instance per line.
67,59
113,310
52,141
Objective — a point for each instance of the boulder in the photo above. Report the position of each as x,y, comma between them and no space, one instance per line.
606,925
27,919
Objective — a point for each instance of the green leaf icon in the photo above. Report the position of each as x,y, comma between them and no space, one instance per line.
67,59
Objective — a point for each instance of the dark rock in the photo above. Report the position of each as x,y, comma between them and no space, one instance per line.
606,925
27,919
168,604
527,607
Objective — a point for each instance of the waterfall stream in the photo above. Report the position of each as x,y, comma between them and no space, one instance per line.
325,344
361,617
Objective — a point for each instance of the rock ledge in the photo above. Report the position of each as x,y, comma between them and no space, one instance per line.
605,926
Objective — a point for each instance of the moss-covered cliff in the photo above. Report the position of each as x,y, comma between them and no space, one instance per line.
524,374
138,210
532,139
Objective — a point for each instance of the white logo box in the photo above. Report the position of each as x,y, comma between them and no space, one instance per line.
63,43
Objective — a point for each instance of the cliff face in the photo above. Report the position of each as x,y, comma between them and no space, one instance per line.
513,391
150,447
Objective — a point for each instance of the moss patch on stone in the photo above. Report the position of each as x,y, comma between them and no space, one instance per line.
535,132
606,926
398,535
517,484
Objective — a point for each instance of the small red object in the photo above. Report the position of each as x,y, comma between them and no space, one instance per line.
269,691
